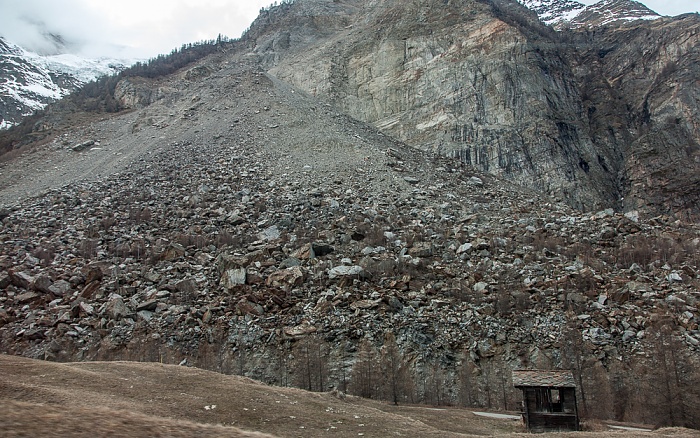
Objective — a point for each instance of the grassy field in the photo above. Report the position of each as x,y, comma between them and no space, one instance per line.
119,399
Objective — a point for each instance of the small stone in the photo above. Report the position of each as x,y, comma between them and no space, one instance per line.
60,288
27,297
86,308
233,277
290,262
92,273
480,287
288,277
321,249
245,307
476,181
145,315
299,330
364,304
82,146
43,284
465,248
632,215
270,233
4,280
173,252
629,335
674,276
116,309
346,271
149,305
34,334
21,279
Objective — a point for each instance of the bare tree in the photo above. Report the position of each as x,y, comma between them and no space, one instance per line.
365,372
311,364
466,381
573,352
673,379
436,391
397,382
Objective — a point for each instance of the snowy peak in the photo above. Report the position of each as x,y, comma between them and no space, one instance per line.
570,13
609,11
553,12
29,81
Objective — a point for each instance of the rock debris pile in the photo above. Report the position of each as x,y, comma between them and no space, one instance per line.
244,230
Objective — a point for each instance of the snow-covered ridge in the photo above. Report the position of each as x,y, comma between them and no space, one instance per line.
29,81
555,11
571,13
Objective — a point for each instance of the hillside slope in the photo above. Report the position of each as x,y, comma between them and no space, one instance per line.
239,224
124,399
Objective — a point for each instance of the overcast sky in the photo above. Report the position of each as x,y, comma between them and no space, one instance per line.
145,28
125,28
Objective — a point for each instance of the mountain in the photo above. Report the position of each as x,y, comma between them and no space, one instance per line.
567,114
29,81
402,200
555,12
570,13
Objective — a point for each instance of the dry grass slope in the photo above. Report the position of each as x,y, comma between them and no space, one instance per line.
20,419
119,399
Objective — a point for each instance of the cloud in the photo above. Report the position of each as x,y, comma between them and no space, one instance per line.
673,7
124,29
160,26
145,28
31,22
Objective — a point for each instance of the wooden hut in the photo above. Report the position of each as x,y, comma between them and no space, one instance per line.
549,400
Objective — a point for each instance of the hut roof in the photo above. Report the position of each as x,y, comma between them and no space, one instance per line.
538,378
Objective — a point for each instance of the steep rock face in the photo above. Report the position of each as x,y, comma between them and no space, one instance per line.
484,81
463,80
645,100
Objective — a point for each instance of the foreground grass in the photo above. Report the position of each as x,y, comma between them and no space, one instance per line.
100,399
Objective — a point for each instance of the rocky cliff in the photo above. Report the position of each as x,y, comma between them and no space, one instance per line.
487,83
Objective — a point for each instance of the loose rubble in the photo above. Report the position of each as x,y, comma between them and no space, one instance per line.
247,242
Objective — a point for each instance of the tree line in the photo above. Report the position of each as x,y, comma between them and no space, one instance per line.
98,95
662,388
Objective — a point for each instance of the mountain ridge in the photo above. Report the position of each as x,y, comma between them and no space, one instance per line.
570,13
29,81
